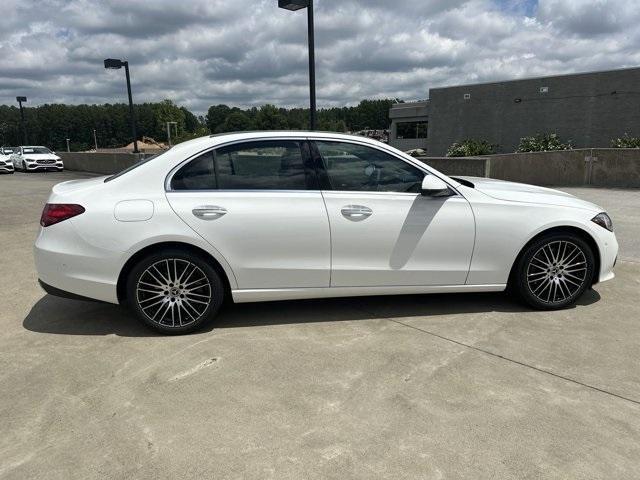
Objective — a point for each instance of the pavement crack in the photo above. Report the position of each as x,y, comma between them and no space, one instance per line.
191,371
511,360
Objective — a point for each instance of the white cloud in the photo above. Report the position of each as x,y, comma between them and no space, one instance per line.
248,52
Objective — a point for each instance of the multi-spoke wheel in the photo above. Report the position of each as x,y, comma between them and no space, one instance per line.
554,271
174,292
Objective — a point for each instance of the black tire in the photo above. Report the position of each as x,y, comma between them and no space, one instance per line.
24,167
179,283
554,271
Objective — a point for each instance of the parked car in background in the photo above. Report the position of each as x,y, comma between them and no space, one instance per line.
6,164
33,158
259,216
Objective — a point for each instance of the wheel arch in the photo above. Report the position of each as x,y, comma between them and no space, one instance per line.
121,288
583,234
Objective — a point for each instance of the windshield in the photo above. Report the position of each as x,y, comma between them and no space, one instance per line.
9,150
35,150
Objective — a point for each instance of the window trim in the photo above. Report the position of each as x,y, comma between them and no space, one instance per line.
305,151
310,139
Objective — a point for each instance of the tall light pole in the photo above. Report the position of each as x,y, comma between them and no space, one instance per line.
24,126
169,131
294,5
95,139
115,64
68,149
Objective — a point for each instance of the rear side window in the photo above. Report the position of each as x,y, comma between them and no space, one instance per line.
198,174
264,165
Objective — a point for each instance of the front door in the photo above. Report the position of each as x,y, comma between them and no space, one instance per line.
255,203
383,231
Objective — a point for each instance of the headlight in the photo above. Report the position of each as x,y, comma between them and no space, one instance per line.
604,221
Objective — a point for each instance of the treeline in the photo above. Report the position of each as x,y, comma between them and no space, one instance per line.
368,114
51,125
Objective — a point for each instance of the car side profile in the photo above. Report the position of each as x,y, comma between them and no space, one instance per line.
6,164
260,216
36,158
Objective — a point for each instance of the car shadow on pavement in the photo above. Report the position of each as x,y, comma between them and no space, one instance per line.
72,317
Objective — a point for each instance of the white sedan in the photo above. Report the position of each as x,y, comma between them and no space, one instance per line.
33,158
6,164
265,216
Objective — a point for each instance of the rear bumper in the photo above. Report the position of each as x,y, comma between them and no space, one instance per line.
64,294
67,264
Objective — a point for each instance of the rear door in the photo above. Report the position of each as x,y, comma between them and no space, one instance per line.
383,231
258,204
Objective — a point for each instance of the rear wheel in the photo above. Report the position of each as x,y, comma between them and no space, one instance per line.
554,271
174,292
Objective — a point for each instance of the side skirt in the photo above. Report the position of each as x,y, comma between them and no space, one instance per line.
268,294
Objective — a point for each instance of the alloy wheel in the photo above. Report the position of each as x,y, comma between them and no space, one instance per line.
173,292
557,271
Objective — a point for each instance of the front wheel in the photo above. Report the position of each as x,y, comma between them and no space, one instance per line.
554,271
174,292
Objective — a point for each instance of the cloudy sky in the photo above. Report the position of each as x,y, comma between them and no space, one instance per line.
247,52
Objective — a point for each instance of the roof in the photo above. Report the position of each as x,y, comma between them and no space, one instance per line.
546,77
217,139
198,145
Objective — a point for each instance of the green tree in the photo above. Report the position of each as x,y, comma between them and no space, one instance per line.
167,111
237,122
268,117
216,116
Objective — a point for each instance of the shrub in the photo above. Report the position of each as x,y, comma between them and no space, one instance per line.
543,142
626,141
471,147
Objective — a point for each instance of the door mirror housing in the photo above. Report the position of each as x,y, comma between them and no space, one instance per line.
432,186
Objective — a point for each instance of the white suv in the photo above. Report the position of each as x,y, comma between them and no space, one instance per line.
32,158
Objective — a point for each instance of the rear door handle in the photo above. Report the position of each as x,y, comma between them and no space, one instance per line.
209,212
356,212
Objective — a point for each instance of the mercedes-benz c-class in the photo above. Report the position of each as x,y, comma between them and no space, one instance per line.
260,216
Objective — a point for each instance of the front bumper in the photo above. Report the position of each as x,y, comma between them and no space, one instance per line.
608,246
7,167
32,167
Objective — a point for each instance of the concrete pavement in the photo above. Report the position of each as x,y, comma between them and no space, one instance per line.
444,386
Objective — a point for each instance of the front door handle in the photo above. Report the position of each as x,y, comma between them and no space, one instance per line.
356,212
209,212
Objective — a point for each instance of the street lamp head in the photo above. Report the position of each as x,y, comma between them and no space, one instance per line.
293,5
21,99
113,63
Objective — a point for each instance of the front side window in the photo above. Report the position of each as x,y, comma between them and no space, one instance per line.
263,165
352,167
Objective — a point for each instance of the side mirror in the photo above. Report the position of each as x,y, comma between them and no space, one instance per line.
432,186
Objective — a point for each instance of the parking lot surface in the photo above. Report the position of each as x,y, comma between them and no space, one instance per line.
443,386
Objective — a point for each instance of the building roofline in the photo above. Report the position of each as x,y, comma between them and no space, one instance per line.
546,77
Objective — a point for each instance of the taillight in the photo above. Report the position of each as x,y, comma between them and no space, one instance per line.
58,212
